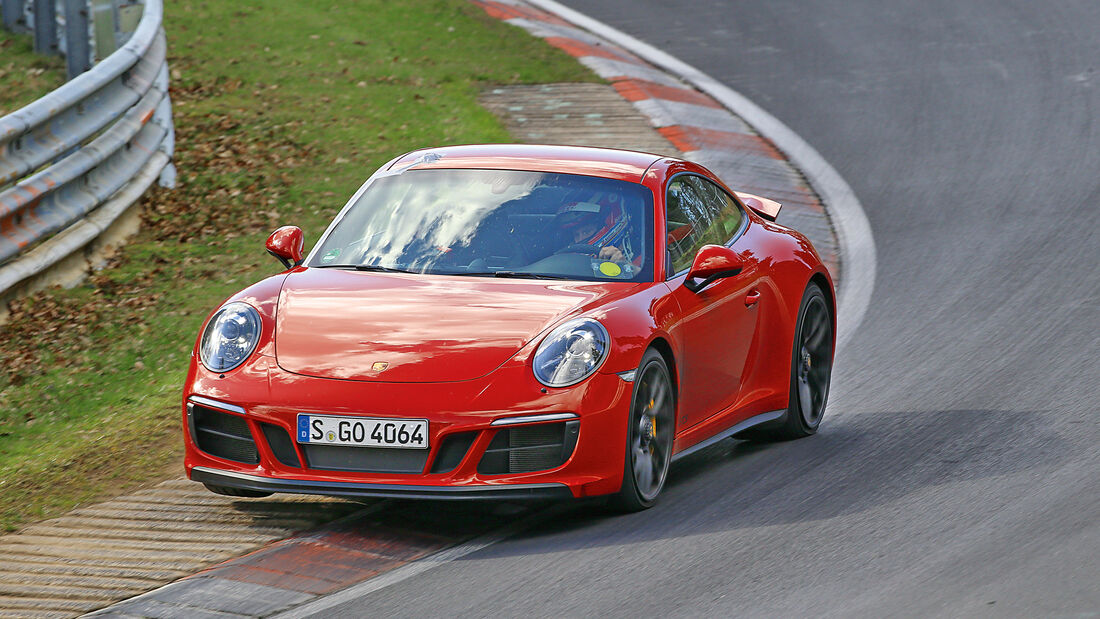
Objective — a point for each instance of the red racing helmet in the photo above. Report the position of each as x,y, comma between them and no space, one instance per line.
605,211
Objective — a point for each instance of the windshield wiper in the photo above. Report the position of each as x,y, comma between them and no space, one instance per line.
527,275
364,267
374,267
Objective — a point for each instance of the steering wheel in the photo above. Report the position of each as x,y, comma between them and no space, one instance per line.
579,248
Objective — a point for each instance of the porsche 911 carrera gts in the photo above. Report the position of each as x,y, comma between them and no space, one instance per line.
513,321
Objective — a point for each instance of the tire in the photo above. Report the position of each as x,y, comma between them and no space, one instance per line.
811,371
237,492
650,430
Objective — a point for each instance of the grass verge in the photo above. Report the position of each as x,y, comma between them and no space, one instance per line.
25,75
281,110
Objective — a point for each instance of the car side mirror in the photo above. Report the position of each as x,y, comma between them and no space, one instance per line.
712,262
287,244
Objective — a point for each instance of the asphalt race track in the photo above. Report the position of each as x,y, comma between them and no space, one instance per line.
958,469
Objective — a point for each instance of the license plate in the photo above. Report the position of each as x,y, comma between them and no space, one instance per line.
363,431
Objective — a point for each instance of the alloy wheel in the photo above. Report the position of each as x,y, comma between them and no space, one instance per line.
815,361
651,430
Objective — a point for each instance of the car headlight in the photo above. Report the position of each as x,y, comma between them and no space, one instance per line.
230,336
571,353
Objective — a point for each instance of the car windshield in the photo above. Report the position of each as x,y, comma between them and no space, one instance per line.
496,223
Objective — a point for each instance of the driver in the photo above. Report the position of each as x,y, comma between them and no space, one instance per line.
601,225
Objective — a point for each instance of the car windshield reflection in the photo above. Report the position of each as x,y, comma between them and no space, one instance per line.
496,223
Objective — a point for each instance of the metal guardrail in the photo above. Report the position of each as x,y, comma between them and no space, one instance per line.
74,161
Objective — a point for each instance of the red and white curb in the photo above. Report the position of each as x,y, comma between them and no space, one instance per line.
715,126
315,570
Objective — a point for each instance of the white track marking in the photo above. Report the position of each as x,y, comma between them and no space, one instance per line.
855,241
355,592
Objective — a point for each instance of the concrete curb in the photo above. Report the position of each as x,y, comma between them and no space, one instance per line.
109,551
386,540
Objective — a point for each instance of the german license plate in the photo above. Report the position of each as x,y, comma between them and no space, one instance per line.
363,431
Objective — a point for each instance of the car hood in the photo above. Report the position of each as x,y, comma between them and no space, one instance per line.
415,328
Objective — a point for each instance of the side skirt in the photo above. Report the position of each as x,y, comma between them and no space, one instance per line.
751,422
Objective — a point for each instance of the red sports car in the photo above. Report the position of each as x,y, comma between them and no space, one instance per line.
509,321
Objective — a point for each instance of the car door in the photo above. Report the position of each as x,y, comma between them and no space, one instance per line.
718,321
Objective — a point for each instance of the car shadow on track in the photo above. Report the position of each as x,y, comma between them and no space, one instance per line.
859,463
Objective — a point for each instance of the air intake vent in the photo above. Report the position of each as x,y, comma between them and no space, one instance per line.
452,451
526,449
222,434
279,442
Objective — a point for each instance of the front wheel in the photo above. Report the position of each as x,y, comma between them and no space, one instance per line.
651,426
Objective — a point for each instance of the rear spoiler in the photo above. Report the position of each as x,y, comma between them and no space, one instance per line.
768,209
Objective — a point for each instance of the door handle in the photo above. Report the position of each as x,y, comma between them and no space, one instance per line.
752,298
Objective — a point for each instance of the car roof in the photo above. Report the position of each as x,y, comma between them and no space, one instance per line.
605,162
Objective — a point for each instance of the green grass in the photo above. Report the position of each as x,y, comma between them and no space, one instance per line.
282,109
25,75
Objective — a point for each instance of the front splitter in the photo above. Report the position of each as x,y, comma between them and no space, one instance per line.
548,491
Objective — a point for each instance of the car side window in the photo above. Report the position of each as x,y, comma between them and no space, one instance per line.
698,213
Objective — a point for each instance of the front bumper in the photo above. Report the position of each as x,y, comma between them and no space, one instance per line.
261,396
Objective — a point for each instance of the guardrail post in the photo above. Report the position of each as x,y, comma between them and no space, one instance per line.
45,27
12,13
78,53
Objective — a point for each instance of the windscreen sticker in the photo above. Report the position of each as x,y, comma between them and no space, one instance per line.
610,269
330,256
